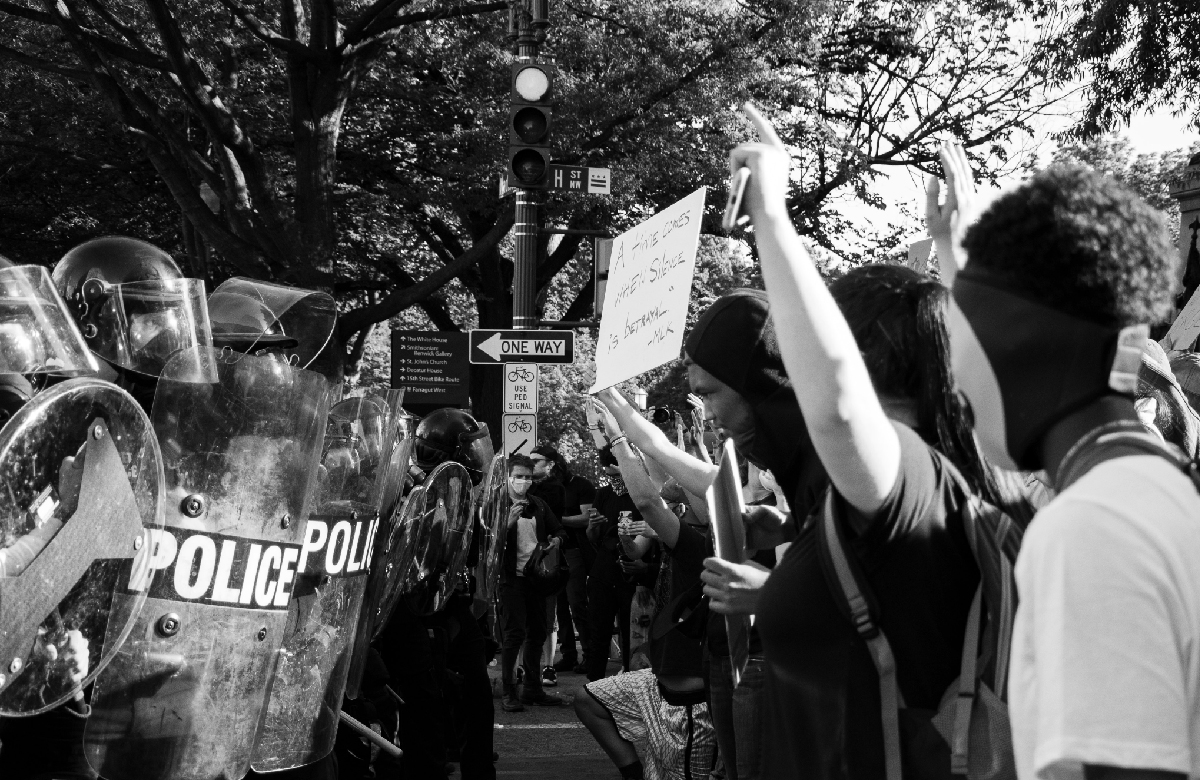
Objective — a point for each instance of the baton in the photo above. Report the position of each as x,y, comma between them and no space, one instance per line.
370,735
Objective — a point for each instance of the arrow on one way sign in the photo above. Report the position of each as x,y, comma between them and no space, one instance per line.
489,347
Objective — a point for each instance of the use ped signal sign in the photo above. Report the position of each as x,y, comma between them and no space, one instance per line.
489,347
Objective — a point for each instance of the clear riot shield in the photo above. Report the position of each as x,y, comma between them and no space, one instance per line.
184,696
399,556
336,559
384,569
441,538
494,504
83,487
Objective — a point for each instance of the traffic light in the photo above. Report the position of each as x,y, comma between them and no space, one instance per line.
529,124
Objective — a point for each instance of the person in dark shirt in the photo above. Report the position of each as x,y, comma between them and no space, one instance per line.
609,593
734,365
892,436
579,495
663,706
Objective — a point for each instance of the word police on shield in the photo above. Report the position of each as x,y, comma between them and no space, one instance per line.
489,347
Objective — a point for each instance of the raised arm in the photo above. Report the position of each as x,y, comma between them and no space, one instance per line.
947,221
692,473
641,489
853,437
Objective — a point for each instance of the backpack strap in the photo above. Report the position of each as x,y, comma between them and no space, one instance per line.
1116,440
857,602
847,579
965,701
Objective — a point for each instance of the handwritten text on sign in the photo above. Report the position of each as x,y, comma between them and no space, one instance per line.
649,282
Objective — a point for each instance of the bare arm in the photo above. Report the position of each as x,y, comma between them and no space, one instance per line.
645,495
692,473
853,437
947,222
636,547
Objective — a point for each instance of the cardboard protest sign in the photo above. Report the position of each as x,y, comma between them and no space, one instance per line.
725,508
1186,327
649,283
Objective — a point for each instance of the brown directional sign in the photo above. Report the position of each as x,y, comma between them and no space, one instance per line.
431,366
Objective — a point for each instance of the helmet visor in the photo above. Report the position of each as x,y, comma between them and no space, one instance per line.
141,325
477,450
261,317
37,335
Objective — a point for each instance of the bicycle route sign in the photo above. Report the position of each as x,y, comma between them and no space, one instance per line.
521,388
520,433
492,347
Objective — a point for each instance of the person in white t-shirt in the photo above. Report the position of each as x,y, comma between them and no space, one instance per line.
1050,311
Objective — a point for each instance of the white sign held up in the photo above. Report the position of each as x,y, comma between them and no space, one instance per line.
646,298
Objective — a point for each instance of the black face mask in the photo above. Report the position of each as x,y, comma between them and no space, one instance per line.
1023,366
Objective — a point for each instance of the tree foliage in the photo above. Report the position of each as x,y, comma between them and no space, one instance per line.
355,145
1134,55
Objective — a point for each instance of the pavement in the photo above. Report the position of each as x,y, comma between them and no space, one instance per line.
549,743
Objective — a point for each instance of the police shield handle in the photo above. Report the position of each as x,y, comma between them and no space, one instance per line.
106,525
725,507
371,735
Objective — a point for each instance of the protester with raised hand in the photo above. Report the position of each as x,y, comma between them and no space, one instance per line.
885,422
737,374
1059,281
663,706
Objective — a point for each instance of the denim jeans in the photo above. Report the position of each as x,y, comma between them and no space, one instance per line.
737,715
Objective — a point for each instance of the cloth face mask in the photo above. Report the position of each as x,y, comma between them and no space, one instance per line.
1023,366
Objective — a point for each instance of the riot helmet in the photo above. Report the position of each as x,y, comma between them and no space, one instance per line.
37,335
452,434
132,303
263,318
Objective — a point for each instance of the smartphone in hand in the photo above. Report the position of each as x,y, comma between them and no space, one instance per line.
733,206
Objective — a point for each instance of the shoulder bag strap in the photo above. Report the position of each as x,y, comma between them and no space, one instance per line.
846,579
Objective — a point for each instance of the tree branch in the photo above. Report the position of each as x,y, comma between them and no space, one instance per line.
377,10
44,65
399,300
379,30
260,30
583,303
562,254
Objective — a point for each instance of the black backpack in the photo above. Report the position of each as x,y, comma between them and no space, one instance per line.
970,733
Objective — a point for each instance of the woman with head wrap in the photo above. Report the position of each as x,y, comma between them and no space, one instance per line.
734,365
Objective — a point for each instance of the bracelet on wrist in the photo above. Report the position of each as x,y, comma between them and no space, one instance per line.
622,439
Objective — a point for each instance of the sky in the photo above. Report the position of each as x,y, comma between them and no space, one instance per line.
1149,133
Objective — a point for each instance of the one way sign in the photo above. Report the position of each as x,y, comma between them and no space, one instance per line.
489,347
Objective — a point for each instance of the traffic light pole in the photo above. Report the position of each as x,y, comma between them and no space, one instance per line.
525,260
529,20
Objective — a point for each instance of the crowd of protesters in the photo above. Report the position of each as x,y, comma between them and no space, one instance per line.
971,516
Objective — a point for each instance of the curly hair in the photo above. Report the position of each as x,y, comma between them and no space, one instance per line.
1081,243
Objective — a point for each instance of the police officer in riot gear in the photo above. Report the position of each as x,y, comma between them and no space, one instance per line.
39,346
451,667
134,307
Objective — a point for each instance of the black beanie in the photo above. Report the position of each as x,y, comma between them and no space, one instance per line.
734,341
